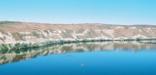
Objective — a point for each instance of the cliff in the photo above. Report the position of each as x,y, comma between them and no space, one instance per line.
17,35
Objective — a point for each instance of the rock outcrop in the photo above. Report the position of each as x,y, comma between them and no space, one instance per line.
17,35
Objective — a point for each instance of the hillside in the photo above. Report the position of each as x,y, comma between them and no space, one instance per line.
16,35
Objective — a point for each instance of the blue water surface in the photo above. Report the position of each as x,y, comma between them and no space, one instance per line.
114,62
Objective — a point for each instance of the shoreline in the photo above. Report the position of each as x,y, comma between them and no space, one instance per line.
19,46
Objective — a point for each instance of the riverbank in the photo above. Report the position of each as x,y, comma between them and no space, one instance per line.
23,35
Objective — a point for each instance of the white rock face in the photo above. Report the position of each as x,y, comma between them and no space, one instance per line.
39,33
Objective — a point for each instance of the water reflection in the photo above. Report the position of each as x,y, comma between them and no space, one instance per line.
17,55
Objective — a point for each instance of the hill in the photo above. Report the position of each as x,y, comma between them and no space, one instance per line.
13,34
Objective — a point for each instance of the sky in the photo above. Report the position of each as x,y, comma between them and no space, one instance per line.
79,11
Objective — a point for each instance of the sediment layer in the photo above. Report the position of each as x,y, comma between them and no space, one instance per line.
18,35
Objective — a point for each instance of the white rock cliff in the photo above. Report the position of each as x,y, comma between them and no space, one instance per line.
13,34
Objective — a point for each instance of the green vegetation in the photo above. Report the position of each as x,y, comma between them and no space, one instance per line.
25,46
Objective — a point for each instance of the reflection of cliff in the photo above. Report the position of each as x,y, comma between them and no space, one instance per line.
16,55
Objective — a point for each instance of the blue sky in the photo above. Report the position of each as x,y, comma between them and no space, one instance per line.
80,11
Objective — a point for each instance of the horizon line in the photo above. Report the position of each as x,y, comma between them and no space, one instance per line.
100,23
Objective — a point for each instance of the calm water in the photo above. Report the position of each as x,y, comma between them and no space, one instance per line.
105,58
